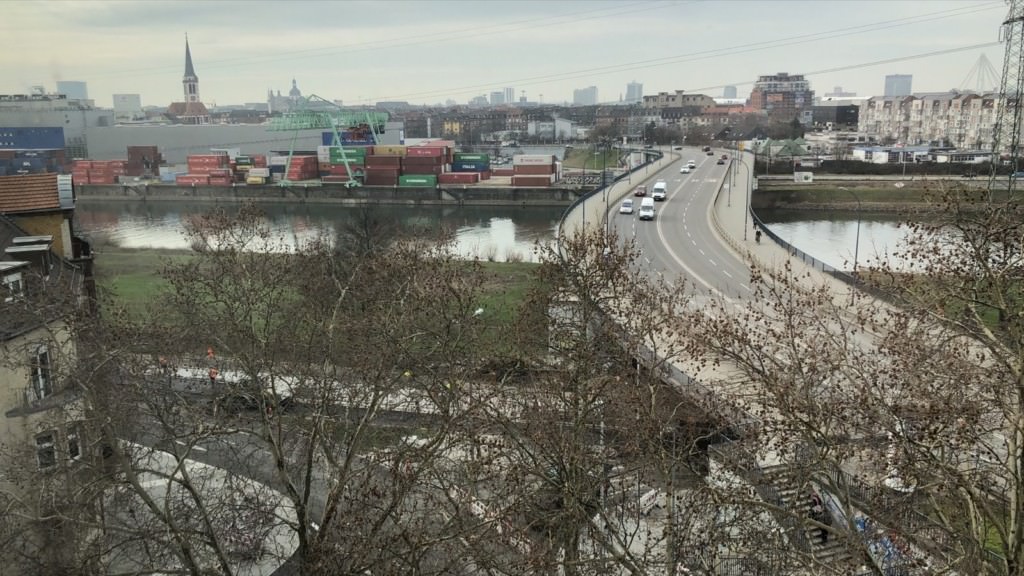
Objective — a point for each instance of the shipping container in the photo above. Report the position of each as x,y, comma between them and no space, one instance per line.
425,152
458,166
533,181
471,157
256,180
485,175
502,171
382,161
521,159
192,179
418,180
259,172
32,138
422,170
458,178
534,169
385,150
423,161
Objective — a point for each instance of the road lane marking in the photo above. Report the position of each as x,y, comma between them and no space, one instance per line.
194,447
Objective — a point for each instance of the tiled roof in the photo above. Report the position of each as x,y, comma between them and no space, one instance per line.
185,109
28,193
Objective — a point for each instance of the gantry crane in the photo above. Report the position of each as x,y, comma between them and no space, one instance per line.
316,113
1006,134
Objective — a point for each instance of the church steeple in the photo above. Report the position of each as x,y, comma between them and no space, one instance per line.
190,81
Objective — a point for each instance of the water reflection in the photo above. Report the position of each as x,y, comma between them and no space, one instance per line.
485,232
831,237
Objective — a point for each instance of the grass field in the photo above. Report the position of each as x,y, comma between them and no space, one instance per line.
131,278
577,157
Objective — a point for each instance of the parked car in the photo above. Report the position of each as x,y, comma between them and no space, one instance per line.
627,206
640,191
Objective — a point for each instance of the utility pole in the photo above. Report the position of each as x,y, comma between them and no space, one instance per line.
1006,135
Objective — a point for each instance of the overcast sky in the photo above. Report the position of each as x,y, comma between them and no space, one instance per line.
429,51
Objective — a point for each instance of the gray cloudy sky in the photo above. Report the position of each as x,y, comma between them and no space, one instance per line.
430,51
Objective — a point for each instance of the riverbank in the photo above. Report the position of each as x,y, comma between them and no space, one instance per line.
856,193
491,195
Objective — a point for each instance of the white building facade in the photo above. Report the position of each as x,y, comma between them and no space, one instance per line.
961,120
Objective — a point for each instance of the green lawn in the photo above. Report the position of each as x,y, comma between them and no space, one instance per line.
131,278
577,157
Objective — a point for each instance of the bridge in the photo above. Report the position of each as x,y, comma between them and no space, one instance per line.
705,234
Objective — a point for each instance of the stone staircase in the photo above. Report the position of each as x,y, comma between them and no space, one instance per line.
835,551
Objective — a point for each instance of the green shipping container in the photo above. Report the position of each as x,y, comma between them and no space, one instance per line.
339,155
418,181
467,157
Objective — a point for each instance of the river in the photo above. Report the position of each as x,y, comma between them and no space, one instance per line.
483,232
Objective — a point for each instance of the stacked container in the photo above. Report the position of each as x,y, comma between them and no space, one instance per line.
202,164
143,160
425,160
418,181
471,162
383,170
192,179
533,170
80,171
302,168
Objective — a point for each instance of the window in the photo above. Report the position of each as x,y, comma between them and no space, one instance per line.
46,452
12,287
42,380
74,444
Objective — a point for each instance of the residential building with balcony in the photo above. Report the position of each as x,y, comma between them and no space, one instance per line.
956,119
677,99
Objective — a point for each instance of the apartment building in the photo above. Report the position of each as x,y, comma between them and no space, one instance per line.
47,444
962,120
677,99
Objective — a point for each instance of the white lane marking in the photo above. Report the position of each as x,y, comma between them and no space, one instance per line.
194,447
701,250
726,272
712,262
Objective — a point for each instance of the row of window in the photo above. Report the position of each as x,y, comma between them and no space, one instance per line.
47,448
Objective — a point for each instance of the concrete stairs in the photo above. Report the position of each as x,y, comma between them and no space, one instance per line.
795,497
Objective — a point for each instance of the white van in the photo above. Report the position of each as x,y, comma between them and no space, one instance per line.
660,191
647,208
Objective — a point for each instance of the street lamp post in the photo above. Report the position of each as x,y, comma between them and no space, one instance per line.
856,245
604,187
746,207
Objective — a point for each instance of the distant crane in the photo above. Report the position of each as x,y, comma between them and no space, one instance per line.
982,78
1006,133
317,113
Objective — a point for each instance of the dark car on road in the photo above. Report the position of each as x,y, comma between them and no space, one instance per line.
640,191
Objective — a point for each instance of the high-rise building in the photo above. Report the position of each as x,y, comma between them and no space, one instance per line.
585,96
634,92
73,89
783,95
497,98
898,84
729,92
510,95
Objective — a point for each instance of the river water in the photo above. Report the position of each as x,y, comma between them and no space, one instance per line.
483,232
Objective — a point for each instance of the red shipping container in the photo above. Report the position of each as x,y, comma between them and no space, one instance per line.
485,175
458,178
423,161
534,169
423,170
80,179
503,172
381,161
425,152
531,181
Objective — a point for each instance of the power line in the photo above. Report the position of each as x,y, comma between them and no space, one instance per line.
703,54
416,40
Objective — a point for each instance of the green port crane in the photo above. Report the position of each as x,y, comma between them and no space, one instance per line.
316,113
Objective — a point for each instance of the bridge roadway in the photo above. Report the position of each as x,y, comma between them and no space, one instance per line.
702,234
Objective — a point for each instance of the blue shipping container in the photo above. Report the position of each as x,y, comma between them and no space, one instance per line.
347,138
471,167
32,138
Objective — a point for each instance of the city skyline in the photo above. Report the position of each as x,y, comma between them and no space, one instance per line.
528,45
